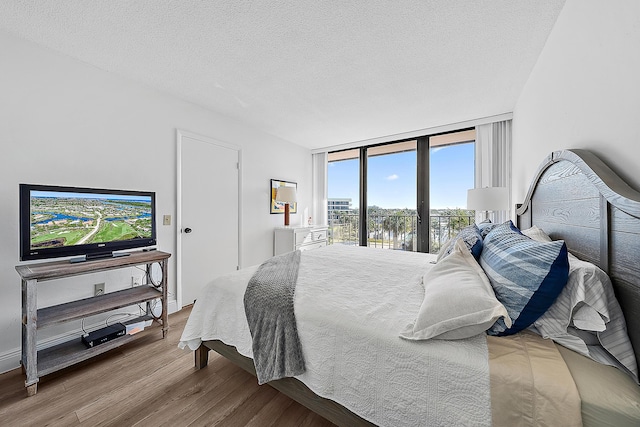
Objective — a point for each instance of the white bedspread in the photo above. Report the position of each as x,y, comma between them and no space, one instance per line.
351,303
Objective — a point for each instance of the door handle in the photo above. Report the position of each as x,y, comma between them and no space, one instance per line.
187,230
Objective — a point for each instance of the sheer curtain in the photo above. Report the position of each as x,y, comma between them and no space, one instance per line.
493,162
319,191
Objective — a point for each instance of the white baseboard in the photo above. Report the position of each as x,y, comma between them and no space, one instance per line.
11,359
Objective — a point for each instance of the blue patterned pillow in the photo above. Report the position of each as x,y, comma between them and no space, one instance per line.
485,227
527,276
470,236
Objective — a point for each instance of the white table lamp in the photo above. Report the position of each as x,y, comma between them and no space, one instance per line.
286,195
488,199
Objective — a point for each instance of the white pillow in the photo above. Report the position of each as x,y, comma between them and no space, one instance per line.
537,234
583,316
459,301
586,317
585,309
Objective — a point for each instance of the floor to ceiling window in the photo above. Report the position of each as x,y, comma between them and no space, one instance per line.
451,174
343,190
391,196
408,195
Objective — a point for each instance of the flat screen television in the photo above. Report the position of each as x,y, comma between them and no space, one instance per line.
91,222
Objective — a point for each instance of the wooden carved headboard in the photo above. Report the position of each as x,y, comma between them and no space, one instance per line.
576,197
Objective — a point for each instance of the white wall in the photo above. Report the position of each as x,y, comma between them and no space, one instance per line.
584,91
67,123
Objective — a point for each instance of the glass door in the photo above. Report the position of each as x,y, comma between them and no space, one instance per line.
343,196
391,196
451,174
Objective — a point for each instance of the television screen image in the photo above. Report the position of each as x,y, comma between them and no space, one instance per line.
60,221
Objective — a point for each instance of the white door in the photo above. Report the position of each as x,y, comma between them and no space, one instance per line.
208,213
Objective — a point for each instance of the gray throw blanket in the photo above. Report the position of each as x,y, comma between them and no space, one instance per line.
268,304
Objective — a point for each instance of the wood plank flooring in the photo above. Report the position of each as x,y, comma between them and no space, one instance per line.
150,382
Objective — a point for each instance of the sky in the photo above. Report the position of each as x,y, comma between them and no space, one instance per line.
82,195
392,178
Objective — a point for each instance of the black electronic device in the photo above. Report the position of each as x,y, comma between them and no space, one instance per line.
94,222
103,335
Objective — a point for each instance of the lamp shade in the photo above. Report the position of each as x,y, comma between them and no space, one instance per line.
488,199
286,195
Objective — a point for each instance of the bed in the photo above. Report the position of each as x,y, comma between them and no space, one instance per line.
523,379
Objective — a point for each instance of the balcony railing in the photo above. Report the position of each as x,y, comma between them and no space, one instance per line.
395,231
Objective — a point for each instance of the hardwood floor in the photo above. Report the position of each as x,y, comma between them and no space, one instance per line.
150,382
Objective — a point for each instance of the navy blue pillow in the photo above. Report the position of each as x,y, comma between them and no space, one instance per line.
470,236
527,276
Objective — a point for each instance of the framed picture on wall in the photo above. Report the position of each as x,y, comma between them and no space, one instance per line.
278,207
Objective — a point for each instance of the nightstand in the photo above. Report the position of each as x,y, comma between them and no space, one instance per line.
287,239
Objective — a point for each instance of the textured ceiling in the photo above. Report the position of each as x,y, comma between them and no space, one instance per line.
316,73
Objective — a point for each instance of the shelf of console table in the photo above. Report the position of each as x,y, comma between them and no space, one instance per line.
38,363
96,305
63,355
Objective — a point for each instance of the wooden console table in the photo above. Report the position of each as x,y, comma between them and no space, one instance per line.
39,363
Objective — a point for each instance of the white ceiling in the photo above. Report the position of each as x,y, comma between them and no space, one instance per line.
313,72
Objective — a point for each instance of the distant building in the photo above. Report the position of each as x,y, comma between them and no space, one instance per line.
337,206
